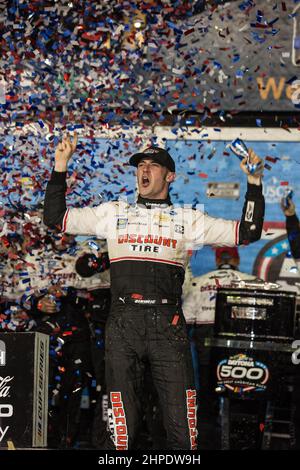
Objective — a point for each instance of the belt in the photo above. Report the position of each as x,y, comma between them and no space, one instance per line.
147,300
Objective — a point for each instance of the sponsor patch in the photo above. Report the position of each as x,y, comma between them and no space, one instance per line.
179,229
122,223
117,421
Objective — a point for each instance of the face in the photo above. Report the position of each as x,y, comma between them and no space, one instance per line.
153,179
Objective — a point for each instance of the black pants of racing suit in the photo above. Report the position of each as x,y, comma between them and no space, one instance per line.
157,334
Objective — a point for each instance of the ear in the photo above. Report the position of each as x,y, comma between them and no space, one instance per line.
170,177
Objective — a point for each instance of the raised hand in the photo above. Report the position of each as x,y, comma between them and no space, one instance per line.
64,151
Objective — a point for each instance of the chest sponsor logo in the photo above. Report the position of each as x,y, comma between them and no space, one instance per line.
148,240
179,229
160,218
249,211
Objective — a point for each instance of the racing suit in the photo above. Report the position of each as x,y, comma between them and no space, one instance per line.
147,245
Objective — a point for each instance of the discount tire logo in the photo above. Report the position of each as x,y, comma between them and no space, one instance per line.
240,374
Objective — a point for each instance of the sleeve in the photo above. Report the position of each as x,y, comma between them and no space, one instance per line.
293,232
252,220
85,221
212,231
55,200
221,232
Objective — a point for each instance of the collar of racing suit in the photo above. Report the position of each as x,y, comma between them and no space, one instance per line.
152,203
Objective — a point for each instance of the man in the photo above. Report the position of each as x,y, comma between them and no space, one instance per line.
199,308
147,244
293,229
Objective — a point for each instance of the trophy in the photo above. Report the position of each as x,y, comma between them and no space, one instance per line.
239,148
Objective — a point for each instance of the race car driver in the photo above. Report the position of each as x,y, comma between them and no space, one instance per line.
147,246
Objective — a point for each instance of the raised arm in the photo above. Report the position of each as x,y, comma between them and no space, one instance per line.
251,224
55,202
219,231
85,221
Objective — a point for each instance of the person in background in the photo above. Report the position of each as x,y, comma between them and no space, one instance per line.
199,307
59,312
87,266
73,317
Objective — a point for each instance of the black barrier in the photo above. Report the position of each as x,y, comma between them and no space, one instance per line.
23,389
253,368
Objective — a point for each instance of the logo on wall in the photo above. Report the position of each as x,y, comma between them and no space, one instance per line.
273,191
2,353
274,262
241,373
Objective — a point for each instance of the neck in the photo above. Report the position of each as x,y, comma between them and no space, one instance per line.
148,202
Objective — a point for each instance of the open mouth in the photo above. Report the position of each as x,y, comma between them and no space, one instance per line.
145,181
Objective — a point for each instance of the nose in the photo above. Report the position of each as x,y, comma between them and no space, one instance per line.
146,169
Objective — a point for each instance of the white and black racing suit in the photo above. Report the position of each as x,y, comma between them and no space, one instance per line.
147,245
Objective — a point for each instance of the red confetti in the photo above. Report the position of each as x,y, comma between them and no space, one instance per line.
271,159
189,31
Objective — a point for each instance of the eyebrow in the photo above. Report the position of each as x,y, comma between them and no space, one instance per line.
148,159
